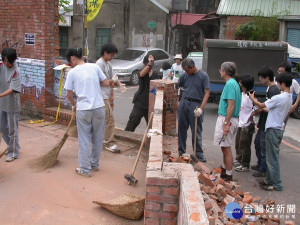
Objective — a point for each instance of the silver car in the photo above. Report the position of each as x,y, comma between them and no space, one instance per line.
129,63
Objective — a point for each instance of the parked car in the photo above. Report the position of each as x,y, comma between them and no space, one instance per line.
129,62
197,57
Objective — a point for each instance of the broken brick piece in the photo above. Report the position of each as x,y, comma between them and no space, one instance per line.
217,170
289,223
247,198
205,180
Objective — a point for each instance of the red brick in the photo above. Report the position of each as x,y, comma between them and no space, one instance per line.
168,222
247,198
171,191
161,198
170,208
152,206
151,221
162,181
205,180
153,189
160,215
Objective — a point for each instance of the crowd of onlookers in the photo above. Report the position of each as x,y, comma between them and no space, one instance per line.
93,86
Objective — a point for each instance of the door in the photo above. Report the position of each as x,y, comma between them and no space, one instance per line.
102,37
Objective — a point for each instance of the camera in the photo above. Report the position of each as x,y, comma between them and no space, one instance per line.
250,91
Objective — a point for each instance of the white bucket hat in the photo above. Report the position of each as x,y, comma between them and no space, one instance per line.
178,56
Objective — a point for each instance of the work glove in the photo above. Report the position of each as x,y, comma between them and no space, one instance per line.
197,112
73,108
115,78
123,88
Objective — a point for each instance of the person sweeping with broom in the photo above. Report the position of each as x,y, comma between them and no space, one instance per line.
10,88
85,80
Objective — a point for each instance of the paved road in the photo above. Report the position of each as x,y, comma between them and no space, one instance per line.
289,153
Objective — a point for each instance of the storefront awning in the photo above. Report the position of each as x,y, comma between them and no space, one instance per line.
188,19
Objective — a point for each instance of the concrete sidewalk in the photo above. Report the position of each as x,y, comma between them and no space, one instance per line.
58,195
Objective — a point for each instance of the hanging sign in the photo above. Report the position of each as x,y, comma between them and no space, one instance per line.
93,7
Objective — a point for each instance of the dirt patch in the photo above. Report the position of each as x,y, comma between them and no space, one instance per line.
58,195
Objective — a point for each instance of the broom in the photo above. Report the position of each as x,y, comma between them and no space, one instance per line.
49,159
2,153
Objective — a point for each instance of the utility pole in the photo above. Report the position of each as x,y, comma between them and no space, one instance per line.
85,32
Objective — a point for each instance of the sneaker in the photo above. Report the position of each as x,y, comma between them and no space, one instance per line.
82,173
114,148
236,163
263,183
10,159
259,174
202,158
6,151
268,187
94,168
241,168
228,178
255,167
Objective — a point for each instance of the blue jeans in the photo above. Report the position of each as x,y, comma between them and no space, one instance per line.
10,132
273,140
260,149
91,128
186,119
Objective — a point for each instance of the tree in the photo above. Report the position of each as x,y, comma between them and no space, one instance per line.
260,28
63,4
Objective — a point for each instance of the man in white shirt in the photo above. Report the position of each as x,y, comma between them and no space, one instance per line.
108,52
85,80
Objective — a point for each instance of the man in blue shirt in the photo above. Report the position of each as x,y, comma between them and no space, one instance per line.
196,93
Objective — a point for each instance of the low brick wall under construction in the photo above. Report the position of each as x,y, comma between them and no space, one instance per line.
173,194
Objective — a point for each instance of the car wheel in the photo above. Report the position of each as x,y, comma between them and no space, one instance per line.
134,80
296,112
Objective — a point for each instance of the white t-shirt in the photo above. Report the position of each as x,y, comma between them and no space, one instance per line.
278,106
85,81
177,71
295,87
247,108
108,72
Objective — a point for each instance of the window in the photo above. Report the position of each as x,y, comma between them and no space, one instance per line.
160,55
63,42
102,37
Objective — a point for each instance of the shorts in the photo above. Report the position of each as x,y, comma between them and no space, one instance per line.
219,131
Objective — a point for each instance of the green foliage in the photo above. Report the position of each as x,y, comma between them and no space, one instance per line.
260,28
63,4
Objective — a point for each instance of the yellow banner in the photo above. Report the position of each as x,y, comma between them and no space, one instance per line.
93,7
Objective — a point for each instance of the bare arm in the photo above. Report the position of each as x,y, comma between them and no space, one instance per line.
293,107
70,97
147,67
7,92
229,112
104,83
260,105
205,98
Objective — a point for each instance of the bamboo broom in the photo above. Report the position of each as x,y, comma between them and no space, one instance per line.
49,159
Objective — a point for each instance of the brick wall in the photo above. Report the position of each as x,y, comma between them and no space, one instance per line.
36,61
173,193
231,23
169,103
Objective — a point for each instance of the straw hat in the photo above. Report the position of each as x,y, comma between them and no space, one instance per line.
178,56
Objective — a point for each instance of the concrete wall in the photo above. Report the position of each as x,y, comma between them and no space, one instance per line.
35,61
128,22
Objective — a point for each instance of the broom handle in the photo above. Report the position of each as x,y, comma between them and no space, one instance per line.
195,135
142,144
71,121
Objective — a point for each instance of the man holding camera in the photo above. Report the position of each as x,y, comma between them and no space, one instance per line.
141,97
